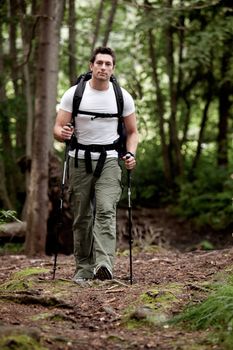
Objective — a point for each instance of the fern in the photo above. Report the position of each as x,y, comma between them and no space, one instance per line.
7,216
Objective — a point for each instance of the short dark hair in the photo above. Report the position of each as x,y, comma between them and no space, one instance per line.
105,51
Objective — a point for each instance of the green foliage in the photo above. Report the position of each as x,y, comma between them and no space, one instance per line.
7,216
202,33
149,181
206,245
11,248
207,200
215,313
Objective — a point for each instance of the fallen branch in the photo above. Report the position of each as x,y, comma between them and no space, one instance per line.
13,229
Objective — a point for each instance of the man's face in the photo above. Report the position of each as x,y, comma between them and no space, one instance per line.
103,67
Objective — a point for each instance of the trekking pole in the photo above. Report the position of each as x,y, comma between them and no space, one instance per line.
67,142
130,226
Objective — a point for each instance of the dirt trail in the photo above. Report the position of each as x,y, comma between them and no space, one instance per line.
109,315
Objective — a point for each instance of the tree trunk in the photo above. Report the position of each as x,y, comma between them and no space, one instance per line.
175,151
225,103
187,117
110,22
224,110
5,158
97,24
5,202
181,36
159,101
160,104
201,132
45,102
12,42
27,34
72,43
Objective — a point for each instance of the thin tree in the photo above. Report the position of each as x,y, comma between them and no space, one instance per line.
176,158
97,24
159,97
7,183
28,32
27,36
202,131
51,13
109,23
72,42
225,103
160,103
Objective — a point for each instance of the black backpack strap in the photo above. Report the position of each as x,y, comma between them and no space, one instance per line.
120,106
119,95
81,84
78,94
100,163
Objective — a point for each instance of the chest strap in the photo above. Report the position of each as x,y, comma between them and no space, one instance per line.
99,115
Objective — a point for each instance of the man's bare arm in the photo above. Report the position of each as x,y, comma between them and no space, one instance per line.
132,139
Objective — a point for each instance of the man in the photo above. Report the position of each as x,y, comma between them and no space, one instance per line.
95,234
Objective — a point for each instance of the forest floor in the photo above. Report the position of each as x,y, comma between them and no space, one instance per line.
170,270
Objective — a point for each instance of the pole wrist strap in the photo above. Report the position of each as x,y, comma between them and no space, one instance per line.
131,154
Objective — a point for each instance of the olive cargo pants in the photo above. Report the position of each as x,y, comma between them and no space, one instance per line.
94,202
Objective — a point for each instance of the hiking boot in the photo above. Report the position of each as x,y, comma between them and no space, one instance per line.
103,273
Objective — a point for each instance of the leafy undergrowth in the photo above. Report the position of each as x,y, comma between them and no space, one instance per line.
214,313
40,313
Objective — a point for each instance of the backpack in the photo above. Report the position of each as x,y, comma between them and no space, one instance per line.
81,83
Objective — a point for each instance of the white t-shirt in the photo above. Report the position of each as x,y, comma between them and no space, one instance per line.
98,131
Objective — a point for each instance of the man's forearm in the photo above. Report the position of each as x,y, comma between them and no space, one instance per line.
132,143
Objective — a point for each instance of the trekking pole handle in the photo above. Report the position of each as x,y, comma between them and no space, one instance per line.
71,127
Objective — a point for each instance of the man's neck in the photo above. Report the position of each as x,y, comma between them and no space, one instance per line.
98,84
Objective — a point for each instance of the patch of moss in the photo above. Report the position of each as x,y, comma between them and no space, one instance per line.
41,316
152,307
20,342
153,249
115,338
14,285
161,298
135,251
57,317
19,280
146,248
29,272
